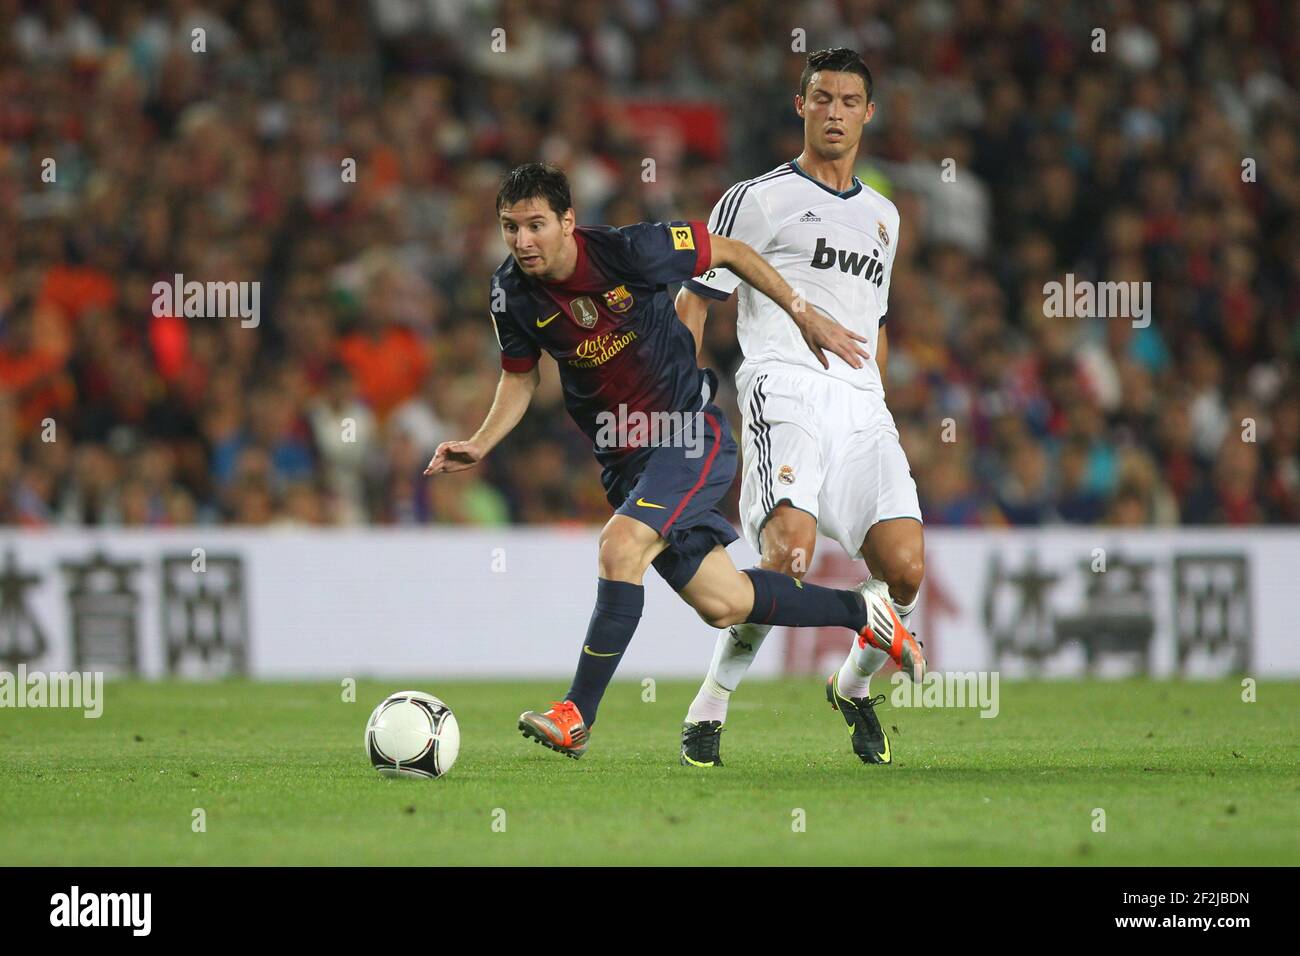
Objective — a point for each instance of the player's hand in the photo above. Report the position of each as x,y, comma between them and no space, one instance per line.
820,332
454,456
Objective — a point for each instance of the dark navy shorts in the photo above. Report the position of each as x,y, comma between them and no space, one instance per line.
675,489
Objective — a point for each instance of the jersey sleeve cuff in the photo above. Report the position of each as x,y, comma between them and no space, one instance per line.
705,291
516,363
703,246
882,321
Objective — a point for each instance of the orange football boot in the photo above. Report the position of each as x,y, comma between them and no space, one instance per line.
561,728
885,632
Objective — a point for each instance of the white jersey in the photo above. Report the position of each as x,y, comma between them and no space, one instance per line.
836,249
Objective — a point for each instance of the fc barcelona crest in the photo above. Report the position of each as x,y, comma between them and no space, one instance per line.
584,312
618,300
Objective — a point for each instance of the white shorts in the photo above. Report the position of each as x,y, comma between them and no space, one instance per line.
827,448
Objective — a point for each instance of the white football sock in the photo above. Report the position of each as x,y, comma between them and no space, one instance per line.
863,662
732,655
856,671
904,611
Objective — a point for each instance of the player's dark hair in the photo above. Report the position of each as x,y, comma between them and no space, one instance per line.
536,180
840,60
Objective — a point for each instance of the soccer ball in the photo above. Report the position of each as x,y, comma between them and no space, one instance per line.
412,734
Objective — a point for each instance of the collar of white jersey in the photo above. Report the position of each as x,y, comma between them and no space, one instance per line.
848,193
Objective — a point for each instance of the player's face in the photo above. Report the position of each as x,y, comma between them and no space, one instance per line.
834,112
536,236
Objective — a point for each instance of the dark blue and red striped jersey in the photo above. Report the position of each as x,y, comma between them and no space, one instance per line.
611,327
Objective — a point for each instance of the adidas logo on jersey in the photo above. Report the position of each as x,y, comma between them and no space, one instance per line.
857,263
809,217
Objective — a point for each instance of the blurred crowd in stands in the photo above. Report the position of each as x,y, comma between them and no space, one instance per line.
1164,150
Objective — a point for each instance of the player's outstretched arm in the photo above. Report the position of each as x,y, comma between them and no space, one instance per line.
693,309
514,393
819,332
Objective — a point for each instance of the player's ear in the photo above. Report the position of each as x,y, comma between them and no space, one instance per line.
871,111
568,222
798,104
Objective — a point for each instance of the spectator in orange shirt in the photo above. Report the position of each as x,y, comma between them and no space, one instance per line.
67,293
35,377
388,359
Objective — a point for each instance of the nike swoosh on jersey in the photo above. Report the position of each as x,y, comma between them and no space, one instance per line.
543,324
648,504
587,650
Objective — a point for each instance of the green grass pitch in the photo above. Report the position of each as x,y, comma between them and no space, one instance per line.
1187,774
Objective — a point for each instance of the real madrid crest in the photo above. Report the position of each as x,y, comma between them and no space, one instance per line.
884,233
584,312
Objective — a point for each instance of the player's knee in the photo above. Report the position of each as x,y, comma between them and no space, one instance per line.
787,550
618,561
724,609
793,557
720,614
714,615
903,574
621,555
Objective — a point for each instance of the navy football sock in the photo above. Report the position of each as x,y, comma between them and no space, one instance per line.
613,622
784,599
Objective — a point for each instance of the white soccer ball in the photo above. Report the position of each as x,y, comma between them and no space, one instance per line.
412,734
